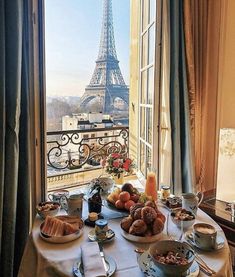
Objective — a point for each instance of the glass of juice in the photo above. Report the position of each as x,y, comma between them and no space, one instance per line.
151,184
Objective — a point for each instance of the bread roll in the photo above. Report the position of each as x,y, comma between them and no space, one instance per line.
126,223
157,226
138,227
148,214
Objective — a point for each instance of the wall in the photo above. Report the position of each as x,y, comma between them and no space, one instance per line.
227,81
226,102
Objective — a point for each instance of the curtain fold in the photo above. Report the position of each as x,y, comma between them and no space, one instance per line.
14,134
183,175
202,34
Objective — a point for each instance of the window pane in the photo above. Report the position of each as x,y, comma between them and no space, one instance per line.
152,10
142,123
150,85
151,44
149,125
143,87
144,49
145,13
149,157
142,158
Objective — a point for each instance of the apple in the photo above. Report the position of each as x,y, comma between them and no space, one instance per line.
129,204
124,196
119,204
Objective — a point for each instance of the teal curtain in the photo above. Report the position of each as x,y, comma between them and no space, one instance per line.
183,175
14,134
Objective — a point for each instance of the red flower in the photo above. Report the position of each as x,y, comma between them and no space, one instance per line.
126,165
116,155
128,161
116,164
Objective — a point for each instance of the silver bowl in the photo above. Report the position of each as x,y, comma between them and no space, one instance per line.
51,212
186,223
183,250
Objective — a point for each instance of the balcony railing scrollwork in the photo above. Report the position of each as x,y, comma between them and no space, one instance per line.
74,148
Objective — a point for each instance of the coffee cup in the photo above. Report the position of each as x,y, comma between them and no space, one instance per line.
57,194
204,236
73,204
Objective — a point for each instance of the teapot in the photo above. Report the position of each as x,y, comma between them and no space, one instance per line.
191,201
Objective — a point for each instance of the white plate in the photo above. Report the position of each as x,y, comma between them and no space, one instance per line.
150,269
219,241
61,239
141,239
111,265
109,235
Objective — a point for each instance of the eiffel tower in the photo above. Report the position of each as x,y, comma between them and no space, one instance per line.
107,82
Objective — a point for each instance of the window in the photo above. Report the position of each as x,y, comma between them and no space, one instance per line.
149,70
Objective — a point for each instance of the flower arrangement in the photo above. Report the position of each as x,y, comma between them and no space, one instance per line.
116,164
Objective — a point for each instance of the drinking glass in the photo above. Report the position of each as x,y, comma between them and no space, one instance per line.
151,184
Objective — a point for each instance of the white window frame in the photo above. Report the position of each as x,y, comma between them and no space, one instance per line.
154,147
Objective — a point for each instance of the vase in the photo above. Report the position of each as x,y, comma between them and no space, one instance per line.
119,180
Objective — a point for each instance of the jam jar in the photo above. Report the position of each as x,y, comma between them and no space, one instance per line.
165,192
101,228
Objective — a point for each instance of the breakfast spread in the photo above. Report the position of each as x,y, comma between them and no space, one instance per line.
61,225
171,258
144,220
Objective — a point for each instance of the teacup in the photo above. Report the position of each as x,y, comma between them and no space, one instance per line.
204,236
73,204
57,194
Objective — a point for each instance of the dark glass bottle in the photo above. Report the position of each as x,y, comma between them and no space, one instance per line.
95,200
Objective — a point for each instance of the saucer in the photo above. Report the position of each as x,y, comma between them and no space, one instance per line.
148,267
109,235
219,242
111,265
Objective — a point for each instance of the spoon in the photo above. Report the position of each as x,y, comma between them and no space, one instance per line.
139,250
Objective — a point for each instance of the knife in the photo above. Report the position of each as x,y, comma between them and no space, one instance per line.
103,257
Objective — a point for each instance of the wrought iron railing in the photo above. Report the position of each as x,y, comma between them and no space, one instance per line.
75,148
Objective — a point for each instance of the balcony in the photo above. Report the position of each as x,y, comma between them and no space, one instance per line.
74,156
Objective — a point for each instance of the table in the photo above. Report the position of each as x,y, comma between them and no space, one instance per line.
43,259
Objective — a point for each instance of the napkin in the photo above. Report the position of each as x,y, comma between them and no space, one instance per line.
91,259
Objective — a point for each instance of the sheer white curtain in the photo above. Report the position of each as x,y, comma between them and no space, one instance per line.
165,129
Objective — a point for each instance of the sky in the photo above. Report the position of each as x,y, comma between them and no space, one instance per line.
72,38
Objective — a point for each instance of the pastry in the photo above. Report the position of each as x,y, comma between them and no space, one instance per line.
137,214
138,227
157,226
126,223
61,226
161,216
148,214
134,207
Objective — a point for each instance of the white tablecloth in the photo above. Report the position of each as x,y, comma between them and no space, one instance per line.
43,259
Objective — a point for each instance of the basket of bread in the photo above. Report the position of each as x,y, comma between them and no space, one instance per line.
61,229
144,224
